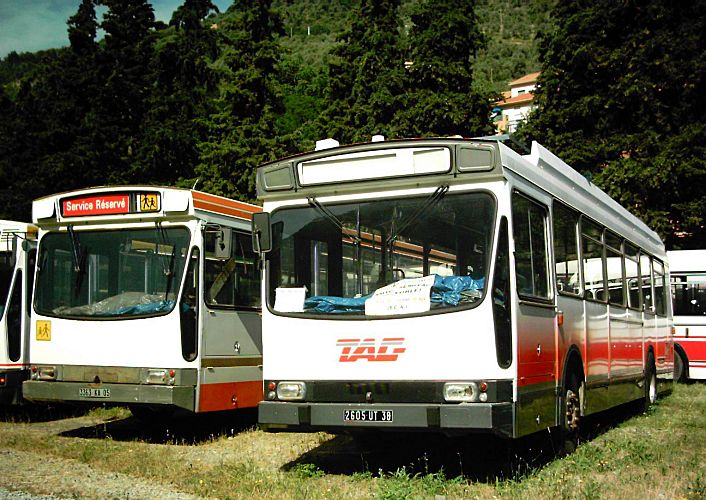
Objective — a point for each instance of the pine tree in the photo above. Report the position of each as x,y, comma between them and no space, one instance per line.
240,124
440,99
184,82
366,75
623,102
124,88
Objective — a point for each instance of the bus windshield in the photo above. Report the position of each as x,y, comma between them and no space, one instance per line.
110,274
382,257
689,295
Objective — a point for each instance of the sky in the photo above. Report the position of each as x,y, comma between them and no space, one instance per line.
32,25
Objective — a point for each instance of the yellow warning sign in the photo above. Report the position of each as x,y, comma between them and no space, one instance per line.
149,202
43,330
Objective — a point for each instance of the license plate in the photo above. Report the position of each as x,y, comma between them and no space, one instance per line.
90,392
367,415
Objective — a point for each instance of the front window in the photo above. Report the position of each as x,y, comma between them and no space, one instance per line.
123,273
689,294
382,257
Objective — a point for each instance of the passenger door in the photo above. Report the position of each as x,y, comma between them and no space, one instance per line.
536,314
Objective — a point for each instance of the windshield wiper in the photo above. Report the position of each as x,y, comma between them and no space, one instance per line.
78,255
426,206
169,270
331,217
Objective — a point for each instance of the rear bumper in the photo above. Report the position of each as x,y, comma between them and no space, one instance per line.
496,418
178,396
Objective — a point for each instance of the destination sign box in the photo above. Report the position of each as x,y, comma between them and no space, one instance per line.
110,204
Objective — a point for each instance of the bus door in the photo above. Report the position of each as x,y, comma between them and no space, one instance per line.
597,358
571,328
536,316
622,346
232,337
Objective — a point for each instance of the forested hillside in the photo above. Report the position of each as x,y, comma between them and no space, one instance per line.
205,99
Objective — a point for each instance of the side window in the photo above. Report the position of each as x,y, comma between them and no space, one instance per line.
614,268
566,250
592,260
31,263
646,279
529,225
501,299
660,289
232,275
14,319
189,309
632,275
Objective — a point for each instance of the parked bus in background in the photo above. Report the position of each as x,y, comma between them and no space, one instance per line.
18,244
455,286
688,273
146,297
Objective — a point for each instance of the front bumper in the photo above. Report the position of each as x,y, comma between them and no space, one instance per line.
53,391
496,418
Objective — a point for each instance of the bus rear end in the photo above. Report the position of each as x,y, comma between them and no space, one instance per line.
17,253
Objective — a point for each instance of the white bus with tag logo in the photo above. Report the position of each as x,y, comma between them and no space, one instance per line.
18,244
688,274
147,297
453,286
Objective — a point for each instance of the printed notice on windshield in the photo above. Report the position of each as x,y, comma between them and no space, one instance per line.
408,296
290,299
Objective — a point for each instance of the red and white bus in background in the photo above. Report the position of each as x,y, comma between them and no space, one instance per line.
688,273
455,286
18,244
148,297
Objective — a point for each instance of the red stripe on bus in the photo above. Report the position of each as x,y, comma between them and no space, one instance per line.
230,395
220,204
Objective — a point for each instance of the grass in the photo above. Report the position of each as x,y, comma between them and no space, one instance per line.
660,454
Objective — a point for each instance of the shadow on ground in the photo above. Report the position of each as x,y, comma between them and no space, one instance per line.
35,413
188,430
479,458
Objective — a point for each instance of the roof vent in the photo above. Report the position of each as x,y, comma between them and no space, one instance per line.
326,144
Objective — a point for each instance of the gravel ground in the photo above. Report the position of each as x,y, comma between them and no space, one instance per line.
41,475
31,476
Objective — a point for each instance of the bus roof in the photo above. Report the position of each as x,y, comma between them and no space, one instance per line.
111,203
682,261
407,163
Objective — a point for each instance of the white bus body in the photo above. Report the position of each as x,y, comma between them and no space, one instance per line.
146,296
688,273
18,243
364,329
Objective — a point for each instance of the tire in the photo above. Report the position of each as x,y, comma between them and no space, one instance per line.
650,381
570,428
679,367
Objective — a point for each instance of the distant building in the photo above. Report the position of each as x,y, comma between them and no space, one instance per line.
516,103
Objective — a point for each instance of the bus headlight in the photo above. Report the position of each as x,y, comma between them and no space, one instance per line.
461,392
291,391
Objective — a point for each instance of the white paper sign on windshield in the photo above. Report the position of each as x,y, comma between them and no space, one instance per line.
408,296
290,299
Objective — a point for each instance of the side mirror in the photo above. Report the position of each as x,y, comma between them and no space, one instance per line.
261,233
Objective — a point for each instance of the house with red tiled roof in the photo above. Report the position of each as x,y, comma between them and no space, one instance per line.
516,103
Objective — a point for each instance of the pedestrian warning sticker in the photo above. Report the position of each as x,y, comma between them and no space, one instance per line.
148,202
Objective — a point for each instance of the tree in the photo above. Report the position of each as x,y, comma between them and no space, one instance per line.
123,94
184,81
239,125
620,101
366,75
440,99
